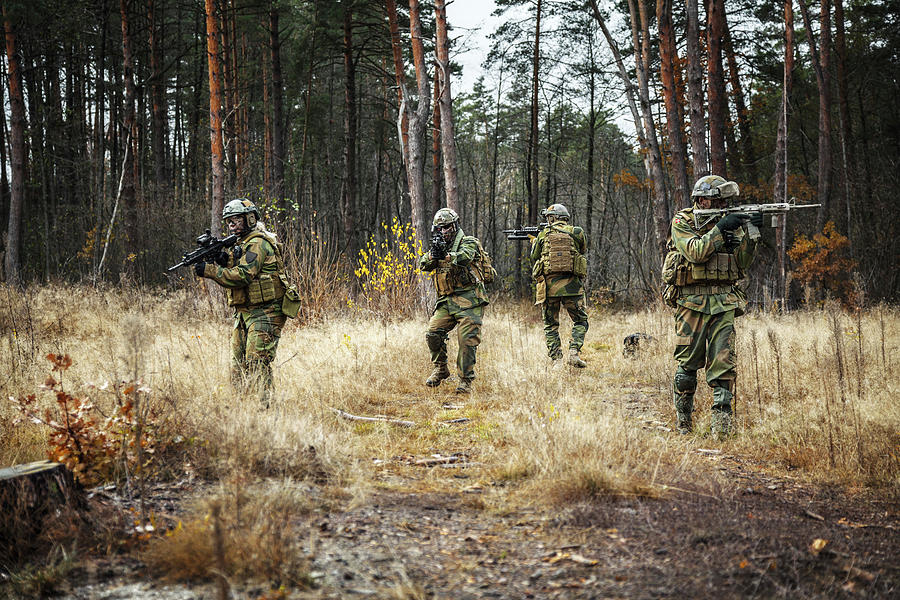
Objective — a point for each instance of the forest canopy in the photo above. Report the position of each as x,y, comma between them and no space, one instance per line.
126,126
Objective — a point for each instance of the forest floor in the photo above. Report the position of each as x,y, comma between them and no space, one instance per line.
762,534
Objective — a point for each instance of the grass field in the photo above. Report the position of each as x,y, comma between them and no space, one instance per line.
817,397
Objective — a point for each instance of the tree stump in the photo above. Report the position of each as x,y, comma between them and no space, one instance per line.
32,495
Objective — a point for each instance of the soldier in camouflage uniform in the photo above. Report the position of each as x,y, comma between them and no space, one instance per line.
707,261
461,299
254,281
558,267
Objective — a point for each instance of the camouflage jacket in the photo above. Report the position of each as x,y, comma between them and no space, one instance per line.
452,278
256,278
699,246
559,284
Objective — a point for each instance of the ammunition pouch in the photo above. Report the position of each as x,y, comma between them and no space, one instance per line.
448,277
290,304
721,267
540,290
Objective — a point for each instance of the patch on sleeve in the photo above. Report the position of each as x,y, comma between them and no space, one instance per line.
677,221
250,256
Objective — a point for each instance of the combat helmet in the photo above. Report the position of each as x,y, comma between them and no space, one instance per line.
445,216
714,186
242,206
556,210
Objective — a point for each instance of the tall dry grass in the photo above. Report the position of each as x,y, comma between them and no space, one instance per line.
816,395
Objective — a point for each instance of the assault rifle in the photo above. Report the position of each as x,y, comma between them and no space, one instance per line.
524,233
438,244
776,209
208,248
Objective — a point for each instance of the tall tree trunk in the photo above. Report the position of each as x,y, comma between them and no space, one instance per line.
217,149
668,54
12,260
277,110
532,161
592,132
848,159
448,138
780,193
646,135
129,134
418,120
718,101
400,76
748,154
436,178
821,65
699,152
159,108
641,40
348,198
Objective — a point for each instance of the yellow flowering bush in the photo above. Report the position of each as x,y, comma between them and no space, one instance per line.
388,272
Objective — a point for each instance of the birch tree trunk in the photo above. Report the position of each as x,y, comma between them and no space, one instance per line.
418,120
641,40
217,150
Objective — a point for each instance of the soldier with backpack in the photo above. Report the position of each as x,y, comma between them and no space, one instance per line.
558,268
459,268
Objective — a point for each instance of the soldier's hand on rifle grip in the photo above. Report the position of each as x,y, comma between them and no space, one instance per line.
730,222
222,259
200,268
756,219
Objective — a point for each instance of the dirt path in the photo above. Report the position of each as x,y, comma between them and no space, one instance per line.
759,539
759,536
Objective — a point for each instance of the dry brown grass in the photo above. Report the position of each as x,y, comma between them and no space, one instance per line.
817,395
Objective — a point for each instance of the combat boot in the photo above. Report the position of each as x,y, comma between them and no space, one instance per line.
685,426
464,387
720,425
440,373
574,359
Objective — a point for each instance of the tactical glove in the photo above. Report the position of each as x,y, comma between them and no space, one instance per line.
756,219
437,253
200,268
237,252
730,222
222,259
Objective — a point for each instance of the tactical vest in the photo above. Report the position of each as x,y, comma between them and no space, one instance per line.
720,268
559,254
448,277
266,287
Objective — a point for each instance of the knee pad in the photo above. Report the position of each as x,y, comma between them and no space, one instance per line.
685,381
435,339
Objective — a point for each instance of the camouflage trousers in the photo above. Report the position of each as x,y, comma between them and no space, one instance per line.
703,341
575,306
254,341
448,315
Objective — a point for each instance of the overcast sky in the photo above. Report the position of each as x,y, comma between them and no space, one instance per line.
471,22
